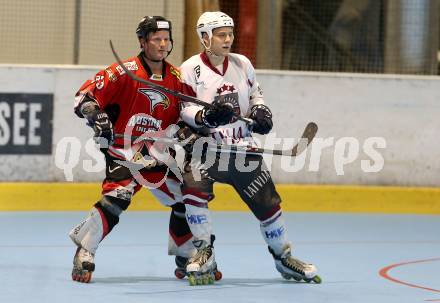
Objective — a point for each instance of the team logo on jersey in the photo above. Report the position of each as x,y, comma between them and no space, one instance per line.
225,88
145,151
227,94
155,97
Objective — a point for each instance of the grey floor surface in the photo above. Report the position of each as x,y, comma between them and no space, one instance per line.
361,258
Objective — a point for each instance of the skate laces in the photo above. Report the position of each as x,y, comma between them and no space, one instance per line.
293,263
202,255
85,256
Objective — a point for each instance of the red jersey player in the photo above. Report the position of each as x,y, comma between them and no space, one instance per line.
113,103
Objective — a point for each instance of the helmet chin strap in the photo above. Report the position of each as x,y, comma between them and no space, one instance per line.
212,54
209,51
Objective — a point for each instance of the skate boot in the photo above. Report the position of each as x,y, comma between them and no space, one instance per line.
180,271
290,267
202,269
83,266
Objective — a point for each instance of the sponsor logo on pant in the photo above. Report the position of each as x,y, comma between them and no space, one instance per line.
257,184
276,233
196,219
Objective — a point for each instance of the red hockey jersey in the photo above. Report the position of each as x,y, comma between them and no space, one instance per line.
133,107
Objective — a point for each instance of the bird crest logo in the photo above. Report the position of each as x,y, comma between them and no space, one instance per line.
155,97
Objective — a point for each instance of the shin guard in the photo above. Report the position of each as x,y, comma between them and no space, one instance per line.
274,232
91,231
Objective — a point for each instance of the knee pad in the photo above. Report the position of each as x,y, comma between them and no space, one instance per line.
113,205
112,208
265,209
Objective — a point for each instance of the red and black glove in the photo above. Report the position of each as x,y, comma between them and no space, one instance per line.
103,128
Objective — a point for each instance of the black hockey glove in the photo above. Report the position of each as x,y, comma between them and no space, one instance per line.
262,116
104,135
220,114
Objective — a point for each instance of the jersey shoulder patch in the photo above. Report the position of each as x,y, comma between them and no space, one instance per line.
111,74
130,64
176,72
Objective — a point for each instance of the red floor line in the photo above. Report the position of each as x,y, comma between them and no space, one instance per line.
384,273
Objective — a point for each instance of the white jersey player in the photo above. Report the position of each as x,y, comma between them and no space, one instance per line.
228,81
232,82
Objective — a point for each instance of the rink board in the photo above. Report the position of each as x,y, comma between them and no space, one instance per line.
298,198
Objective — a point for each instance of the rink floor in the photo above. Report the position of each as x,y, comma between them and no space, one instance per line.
361,258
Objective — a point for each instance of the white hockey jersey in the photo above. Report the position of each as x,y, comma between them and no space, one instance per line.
236,83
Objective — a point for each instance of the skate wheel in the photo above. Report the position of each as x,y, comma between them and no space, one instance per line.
179,273
205,280
82,278
86,277
218,275
297,279
286,276
307,280
317,279
201,279
192,280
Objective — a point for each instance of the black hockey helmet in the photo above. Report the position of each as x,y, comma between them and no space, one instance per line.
151,24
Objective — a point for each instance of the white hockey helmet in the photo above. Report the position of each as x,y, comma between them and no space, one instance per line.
209,21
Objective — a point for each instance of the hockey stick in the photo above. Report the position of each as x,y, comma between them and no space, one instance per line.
306,138
163,89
